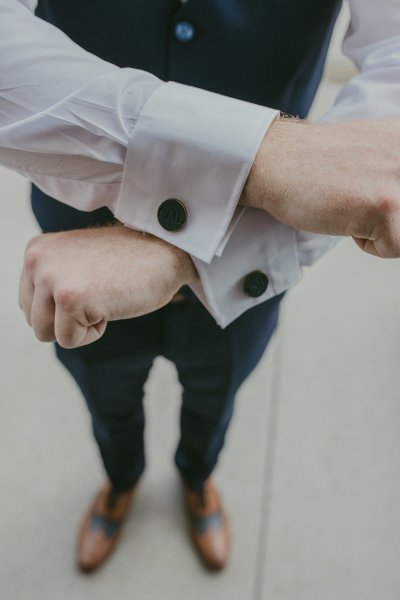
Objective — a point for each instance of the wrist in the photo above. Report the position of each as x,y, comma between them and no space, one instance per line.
180,263
181,260
266,182
184,267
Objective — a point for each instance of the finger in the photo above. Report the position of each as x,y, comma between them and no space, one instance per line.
94,333
71,333
367,246
42,314
26,293
68,331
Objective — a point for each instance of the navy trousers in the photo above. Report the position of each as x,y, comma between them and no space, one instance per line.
211,363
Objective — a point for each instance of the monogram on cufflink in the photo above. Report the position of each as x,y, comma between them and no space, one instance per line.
172,214
255,284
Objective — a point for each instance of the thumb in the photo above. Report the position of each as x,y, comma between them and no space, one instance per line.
71,333
367,245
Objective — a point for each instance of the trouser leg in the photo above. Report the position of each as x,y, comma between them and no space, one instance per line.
111,372
212,363
111,379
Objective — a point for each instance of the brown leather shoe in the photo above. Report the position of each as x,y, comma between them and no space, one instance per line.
208,525
101,527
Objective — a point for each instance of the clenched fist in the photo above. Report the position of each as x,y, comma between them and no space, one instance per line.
74,282
339,179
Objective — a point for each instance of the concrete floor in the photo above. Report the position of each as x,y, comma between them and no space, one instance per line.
310,475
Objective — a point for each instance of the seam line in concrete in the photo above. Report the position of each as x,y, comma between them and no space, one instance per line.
269,462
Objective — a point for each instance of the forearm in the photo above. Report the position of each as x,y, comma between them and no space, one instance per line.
91,134
263,187
65,114
122,274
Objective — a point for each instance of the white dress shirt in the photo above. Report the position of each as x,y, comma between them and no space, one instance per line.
92,134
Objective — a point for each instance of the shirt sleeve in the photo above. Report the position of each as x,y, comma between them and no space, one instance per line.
91,134
373,43
259,243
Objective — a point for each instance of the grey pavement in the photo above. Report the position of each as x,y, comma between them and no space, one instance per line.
310,474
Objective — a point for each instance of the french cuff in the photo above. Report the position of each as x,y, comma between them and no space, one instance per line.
187,162
311,246
259,261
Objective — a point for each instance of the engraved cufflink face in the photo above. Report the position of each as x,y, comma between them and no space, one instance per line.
172,214
255,284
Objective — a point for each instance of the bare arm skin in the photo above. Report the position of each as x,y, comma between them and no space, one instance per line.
339,179
74,282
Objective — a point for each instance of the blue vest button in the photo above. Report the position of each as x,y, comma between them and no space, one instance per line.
184,31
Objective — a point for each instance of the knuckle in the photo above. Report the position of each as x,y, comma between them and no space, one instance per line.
45,280
32,242
386,200
32,258
386,205
67,298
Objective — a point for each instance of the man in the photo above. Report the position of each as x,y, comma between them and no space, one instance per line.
186,169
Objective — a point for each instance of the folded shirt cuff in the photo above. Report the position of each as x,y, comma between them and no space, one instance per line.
194,149
259,261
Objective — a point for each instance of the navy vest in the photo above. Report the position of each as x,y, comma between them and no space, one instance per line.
270,52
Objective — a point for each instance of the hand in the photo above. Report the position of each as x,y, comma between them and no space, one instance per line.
339,179
73,283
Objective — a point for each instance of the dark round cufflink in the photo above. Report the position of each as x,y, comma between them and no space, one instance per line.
172,214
